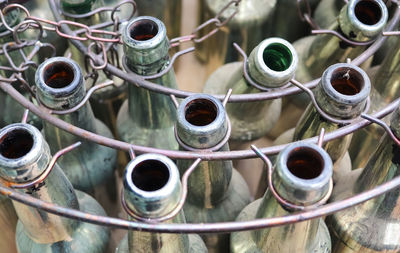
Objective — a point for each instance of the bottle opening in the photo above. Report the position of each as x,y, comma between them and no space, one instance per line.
305,163
150,175
58,75
200,112
277,57
347,81
16,144
368,12
143,30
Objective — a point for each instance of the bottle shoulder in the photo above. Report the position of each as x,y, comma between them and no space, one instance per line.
221,80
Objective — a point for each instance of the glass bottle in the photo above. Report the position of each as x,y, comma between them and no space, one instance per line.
373,225
168,11
8,223
327,11
147,118
216,191
7,103
358,20
107,101
90,168
342,93
24,156
286,15
152,189
301,176
247,28
271,64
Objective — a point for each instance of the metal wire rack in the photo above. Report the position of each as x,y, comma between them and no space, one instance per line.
104,41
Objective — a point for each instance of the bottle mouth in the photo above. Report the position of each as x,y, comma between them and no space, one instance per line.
368,12
58,75
143,29
277,57
347,81
305,163
150,175
200,112
16,143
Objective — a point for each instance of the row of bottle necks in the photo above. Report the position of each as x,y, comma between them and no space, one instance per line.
148,118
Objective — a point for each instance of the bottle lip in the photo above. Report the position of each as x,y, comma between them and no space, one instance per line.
354,72
156,39
276,78
166,193
51,67
304,188
356,25
10,165
201,133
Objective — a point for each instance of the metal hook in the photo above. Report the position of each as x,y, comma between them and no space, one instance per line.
132,154
174,100
321,136
226,98
383,125
25,116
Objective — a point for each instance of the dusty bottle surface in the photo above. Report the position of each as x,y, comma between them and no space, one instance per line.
147,118
24,156
8,104
271,64
90,168
168,11
247,28
152,190
342,93
106,101
359,20
373,225
216,191
301,176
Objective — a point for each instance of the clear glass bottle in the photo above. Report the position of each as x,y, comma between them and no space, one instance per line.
90,168
373,225
147,118
286,15
7,103
327,11
216,191
107,101
342,93
247,28
152,189
358,20
301,176
24,156
271,64
168,11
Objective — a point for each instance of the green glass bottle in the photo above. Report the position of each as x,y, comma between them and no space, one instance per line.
24,156
247,28
8,104
168,11
147,118
107,101
216,191
301,176
286,16
152,189
373,225
60,86
342,93
271,64
358,20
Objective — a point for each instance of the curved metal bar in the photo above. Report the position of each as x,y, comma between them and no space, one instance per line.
138,80
202,227
383,125
221,155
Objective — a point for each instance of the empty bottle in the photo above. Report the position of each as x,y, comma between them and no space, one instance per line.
24,156
301,176
60,86
8,223
373,225
147,118
216,191
247,28
327,11
152,189
271,64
